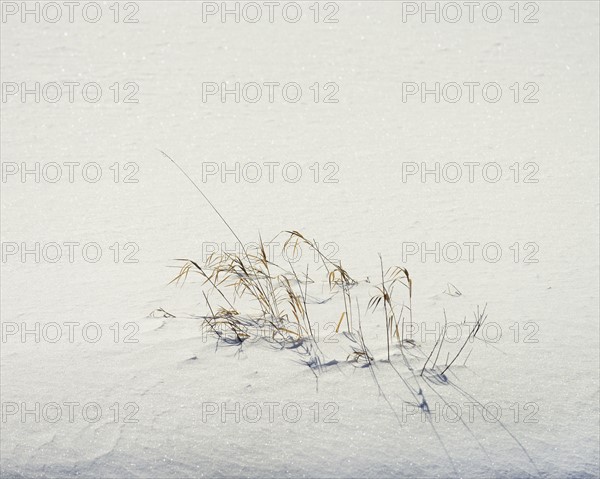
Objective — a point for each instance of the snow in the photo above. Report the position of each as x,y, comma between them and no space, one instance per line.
168,375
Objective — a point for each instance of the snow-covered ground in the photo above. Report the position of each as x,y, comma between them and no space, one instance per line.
79,336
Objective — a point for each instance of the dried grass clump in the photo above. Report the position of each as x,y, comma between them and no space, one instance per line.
275,297
274,293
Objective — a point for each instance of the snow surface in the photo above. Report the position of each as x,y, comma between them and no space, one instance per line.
172,372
